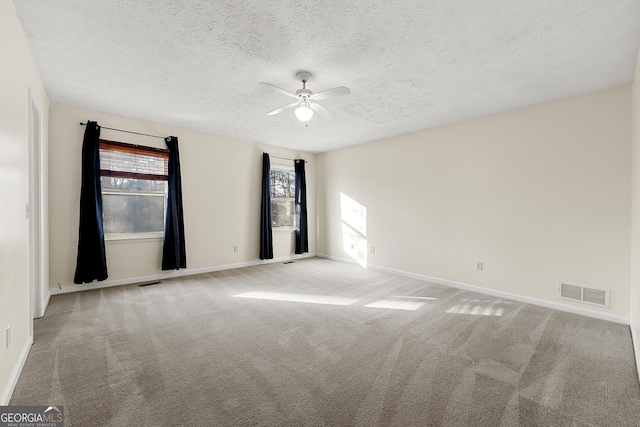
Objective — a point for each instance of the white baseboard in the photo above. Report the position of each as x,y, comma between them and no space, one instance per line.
459,285
500,294
171,274
45,303
15,374
635,339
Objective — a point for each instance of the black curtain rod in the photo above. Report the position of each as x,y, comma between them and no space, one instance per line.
127,131
286,158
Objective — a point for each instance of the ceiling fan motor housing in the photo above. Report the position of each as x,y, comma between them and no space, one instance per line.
304,93
304,76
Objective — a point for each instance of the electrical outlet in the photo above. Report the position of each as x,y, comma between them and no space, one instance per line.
235,249
373,249
479,266
8,336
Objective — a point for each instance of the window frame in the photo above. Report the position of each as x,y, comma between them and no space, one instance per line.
142,150
285,228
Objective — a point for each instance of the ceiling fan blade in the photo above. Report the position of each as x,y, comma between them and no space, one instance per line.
277,89
330,93
281,109
327,114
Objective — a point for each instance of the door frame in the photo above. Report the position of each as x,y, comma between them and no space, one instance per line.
35,209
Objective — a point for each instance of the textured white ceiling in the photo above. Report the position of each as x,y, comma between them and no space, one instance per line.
410,64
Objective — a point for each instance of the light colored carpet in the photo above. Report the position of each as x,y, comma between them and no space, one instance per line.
322,343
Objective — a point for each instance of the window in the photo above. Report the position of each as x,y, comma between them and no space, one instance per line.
134,189
283,187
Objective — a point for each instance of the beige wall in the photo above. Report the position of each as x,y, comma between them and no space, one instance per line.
635,211
540,195
17,75
221,194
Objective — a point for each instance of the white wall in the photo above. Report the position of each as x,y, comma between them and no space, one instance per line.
221,179
17,74
540,195
635,212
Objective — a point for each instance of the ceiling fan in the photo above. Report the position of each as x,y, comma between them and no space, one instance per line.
306,100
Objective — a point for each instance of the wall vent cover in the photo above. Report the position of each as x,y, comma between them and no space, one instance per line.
585,295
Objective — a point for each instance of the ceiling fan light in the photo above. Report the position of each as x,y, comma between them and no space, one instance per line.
304,113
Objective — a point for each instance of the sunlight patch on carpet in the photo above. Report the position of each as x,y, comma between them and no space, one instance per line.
309,299
475,310
395,305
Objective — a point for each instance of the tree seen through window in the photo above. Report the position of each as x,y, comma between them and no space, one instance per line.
283,184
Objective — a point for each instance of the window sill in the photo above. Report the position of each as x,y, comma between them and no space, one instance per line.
131,237
282,230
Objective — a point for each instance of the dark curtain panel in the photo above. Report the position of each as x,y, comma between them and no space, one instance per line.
266,238
302,239
91,263
174,255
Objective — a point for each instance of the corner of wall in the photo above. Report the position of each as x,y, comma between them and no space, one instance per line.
635,221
